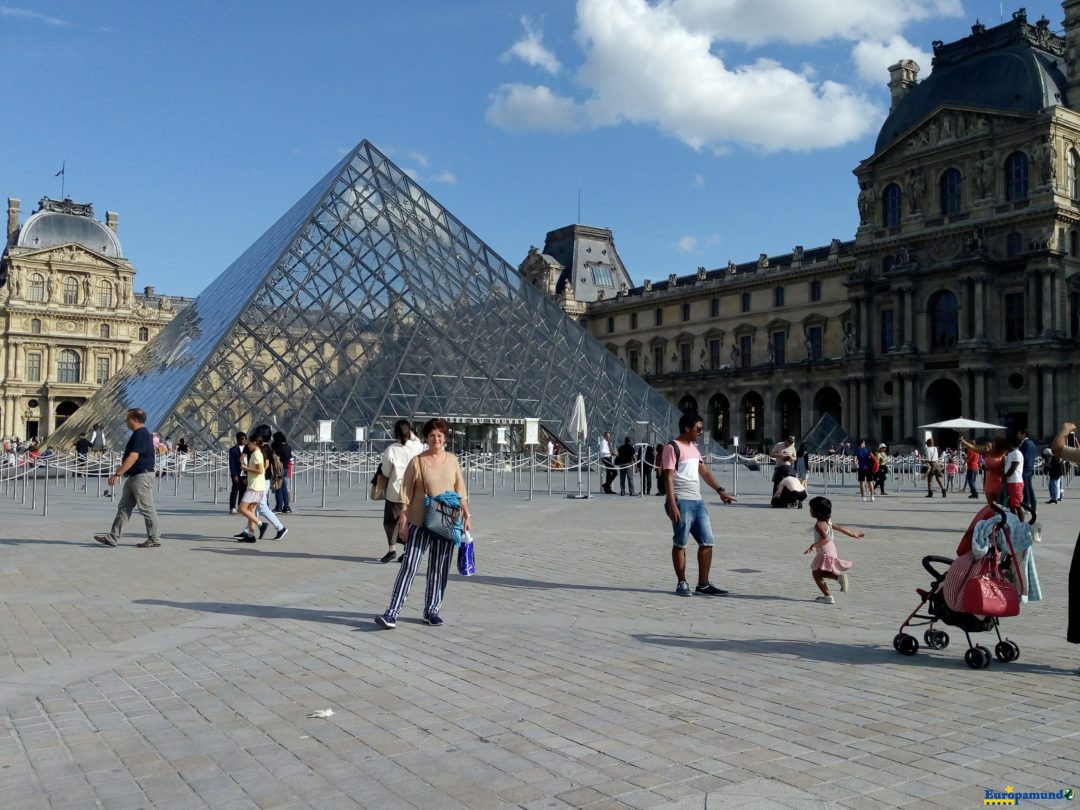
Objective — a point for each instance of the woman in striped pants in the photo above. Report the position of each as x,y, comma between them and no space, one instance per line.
433,472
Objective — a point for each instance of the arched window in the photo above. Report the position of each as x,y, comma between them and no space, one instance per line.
104,294
103,331
71,291
944,323
144,333
35,287
1072,179
67,367
890,206
35,326
951,186
1016,176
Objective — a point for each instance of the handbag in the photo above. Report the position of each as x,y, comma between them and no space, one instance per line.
378,485
440,518
466,558
989,593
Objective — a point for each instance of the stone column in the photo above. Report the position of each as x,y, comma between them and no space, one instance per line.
48,415
898,406
916,407
864,407
1049,418
1049,324
1030,287
980,308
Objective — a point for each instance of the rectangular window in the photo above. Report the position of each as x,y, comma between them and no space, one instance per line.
778,297
658,315
744,351
887,336
633,320
33,367
746,302
684,357
602,276
632,360
714,308
686,312
658,359
610,325
102,372
816,337
815,290
714,353
1014,317
779,339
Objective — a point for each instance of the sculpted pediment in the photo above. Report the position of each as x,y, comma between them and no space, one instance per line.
71,254
945,126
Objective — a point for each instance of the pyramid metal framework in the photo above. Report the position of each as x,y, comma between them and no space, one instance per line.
367,302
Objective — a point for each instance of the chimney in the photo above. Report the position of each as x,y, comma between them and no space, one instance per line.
148,292
902,77
111,219
12,216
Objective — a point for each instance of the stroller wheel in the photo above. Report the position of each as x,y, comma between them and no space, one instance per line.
906,645
928,639
896,641
941,639
1006,652
973,658
985,655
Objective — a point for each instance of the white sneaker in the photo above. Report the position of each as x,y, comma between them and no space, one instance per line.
864,499
845,583
826,600
871,499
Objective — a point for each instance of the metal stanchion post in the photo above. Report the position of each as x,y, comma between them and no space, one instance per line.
45,493
33,490
337,476
325,472
532,468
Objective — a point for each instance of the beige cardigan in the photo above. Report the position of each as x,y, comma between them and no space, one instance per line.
439,479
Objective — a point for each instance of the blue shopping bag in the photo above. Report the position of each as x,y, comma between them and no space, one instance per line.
466,557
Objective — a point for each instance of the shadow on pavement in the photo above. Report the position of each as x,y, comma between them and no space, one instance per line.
326,615
247,549
864,654
13,541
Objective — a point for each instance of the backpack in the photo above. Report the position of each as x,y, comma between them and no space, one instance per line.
875,465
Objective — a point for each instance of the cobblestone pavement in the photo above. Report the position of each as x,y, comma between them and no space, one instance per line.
567,673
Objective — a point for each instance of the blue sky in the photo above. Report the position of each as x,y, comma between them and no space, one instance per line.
698,130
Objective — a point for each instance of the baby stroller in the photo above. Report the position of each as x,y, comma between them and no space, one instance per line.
936,608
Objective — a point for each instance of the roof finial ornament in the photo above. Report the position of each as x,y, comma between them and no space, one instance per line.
978,28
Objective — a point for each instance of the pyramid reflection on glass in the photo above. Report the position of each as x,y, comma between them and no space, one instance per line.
367,302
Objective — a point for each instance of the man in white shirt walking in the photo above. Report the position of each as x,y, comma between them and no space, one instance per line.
607,461
395,460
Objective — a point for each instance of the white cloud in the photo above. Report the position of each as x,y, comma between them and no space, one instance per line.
419,157
413,173
444,177
530,50
698,181
873,58
32,16
687,244
520,108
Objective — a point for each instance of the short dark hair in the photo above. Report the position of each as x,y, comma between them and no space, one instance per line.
438,424
241,435
400,426
688,420
138,414
821,507
261,434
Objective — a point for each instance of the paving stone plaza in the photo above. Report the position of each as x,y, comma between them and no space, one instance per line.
567,673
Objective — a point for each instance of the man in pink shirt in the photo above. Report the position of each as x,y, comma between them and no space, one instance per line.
683,468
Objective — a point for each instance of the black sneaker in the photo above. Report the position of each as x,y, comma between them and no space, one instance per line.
433,620
242,535
246,538
281,534
105,540
682,589
708,589
386,621
262,529
389,556
150,542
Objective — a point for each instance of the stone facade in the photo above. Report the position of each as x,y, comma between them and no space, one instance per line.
960,293
69,317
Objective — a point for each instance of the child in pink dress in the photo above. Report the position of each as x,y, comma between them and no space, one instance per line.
826,564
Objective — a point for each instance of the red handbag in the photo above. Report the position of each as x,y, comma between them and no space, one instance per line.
988,592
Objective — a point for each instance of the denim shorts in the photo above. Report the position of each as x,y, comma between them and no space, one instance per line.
693,521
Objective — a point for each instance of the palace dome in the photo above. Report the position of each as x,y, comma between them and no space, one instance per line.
60,223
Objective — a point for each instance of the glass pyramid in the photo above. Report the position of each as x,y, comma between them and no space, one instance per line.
365,303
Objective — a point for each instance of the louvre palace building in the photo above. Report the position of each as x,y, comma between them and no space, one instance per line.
959,294
69,316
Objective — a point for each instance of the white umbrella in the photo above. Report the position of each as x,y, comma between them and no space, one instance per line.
579,430
961,424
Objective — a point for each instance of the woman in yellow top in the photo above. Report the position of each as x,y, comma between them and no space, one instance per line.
1064,448
433,472
255,467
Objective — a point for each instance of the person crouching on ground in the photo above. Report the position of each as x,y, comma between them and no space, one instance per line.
682,469
789,489
429,474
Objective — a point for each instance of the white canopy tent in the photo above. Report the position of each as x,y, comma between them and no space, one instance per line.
961,424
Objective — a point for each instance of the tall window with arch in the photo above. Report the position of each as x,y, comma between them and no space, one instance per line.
70,291
951,186
67,366
1016,176
1072,175
104,294
35,326
891,200
144,333
944,320
35,287
104,331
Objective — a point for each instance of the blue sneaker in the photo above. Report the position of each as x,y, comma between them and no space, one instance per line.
386,621
709,589
433,620
683,589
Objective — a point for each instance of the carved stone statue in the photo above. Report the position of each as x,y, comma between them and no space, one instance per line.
771,349
983,179
866,203
87,289
125,292
648,285
763,261
701,273
672,280
731,268
808,344
848,343
16,284
904,254
916,185
735,355
797,254
1046,155
49,286
701,360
